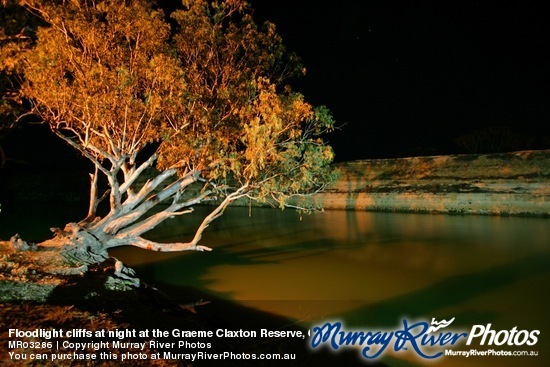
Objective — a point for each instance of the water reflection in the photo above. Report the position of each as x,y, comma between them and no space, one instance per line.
325,255
366,268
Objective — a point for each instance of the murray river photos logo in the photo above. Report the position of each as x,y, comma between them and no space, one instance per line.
427,340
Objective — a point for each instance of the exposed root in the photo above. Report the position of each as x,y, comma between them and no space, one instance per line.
81,270
18,244
126,273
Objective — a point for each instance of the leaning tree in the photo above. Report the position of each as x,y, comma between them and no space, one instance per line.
200,90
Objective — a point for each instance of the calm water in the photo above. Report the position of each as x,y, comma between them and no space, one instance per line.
357,267
369,269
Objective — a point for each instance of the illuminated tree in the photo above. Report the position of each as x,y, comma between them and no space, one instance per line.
114,80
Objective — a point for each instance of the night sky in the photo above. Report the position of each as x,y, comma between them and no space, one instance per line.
408,77
403,78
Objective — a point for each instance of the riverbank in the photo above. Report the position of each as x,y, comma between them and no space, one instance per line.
516,183
32,298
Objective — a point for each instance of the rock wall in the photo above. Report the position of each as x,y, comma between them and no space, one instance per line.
500,184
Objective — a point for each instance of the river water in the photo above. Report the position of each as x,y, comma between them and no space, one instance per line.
366,268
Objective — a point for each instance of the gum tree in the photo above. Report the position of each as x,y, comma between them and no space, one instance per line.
203,91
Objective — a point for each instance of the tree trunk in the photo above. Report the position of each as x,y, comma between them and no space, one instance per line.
77,248
78,245
132,214
94,201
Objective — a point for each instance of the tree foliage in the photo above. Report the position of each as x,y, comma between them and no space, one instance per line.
493,139
203,85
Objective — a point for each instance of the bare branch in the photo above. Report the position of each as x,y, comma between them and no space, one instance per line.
131,239
156,246
148,188
216,213
146,225
135,175
130,213
152,221
93,194
82,150
84,144
111,141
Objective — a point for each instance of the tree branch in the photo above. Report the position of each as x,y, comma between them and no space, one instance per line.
147,224
131,236
82,150
216,213
151,185
93,194
129,213
152,221
135,175
156,246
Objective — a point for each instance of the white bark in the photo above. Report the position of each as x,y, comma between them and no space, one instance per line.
156,246
92,208
216,213
148,188
129,213
129,181
128,218
131,236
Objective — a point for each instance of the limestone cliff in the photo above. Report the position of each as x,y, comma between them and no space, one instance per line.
515,183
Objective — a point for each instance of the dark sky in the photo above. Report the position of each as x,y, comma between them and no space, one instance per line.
409,77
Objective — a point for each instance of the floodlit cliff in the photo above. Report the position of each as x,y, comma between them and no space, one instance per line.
515,183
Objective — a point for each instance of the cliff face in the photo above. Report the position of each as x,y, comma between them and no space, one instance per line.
515,183
502,184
